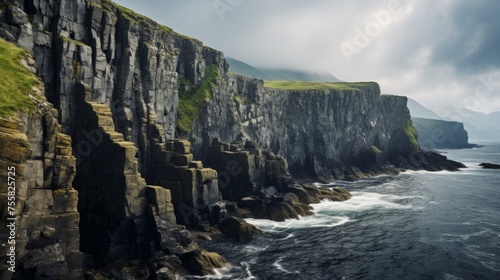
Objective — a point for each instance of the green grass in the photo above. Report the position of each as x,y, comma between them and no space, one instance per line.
323,86
110,6
411,132
105,8
238,99
375,150
191,100
16,81
76,42
185,82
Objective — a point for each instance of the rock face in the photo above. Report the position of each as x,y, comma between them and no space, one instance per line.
437,134
255,183
194,188
239,229
247,170
47,240
202,262
332,134
144,73
125,89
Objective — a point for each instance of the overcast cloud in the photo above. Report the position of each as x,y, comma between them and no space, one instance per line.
437,52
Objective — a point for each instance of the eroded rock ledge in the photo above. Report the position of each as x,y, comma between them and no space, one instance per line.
119,84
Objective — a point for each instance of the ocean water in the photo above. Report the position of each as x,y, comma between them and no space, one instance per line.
416,225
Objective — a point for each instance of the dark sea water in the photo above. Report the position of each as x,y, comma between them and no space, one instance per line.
417,225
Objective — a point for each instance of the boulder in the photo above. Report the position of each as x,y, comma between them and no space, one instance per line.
202,262
486,165
164,274
239,229
280,211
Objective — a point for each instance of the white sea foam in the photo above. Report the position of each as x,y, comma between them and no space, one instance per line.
278,265
362,201
253,249
472,168
448,276
287,237
219,273
330,213
246,266
302,222
487,259
469,235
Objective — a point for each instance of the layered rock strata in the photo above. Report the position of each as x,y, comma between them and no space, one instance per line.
329,134
255,183
126,89
151,76
46,226
194,188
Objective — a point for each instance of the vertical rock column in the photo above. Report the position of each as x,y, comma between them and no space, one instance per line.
112,191
194,188
247,170
47,241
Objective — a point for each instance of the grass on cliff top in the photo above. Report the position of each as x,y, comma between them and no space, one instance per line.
191,100
16,81
300,85
109,6
134,17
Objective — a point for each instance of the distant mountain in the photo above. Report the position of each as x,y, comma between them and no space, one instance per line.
271,74
240,67
417,110
477,133
297,75
478,125
493,117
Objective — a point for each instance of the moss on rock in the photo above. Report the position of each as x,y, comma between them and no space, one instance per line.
191,100
411,133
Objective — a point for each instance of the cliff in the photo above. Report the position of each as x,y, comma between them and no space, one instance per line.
325,131
438,134
119,91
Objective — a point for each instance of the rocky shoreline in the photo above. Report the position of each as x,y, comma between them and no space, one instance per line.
141,147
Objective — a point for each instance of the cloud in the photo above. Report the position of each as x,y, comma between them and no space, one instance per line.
433,51
472,43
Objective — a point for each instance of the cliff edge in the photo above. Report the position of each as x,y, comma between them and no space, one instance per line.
438,134
111,186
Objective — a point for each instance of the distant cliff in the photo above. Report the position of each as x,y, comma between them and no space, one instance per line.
438,134
120,90
323,131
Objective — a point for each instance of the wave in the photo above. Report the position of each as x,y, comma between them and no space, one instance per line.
448,276
219,273
278,265
472,169
241,272
362,201
330,213
253,249
302,222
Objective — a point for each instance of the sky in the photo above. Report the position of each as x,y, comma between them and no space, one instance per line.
440,53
